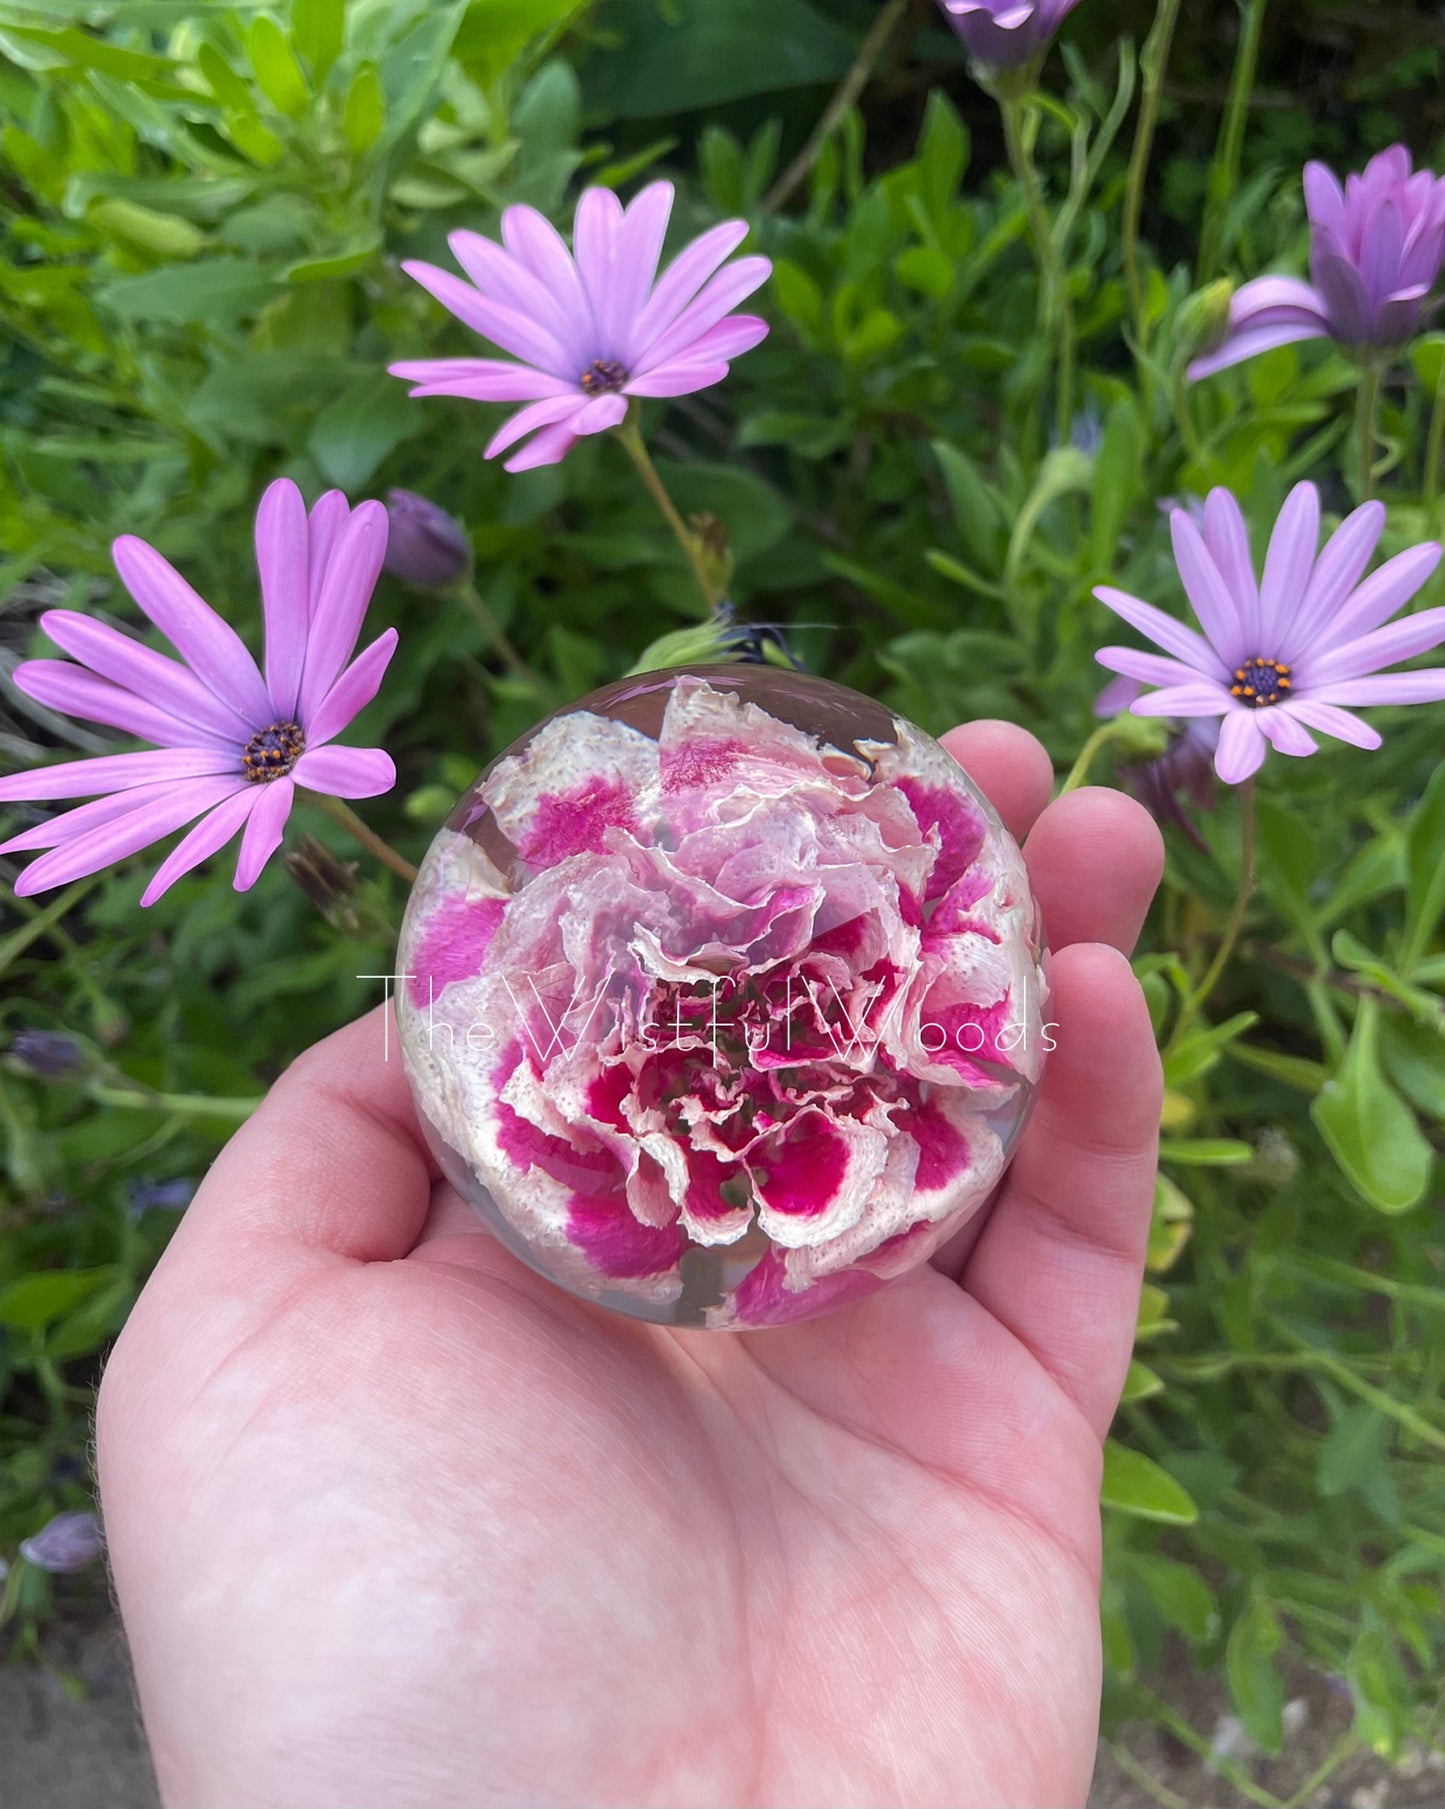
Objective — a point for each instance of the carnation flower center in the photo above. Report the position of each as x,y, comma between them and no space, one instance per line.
1260,681
271,753
603,377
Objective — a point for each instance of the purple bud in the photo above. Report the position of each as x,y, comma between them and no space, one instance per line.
159,1196
1002,34
48,1052
426,547
66,1543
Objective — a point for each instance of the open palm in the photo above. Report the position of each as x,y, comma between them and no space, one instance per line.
394,1522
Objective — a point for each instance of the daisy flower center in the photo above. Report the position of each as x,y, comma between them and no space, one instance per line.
271,753
603,377
1260,681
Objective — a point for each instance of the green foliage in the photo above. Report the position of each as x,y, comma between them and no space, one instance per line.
200,289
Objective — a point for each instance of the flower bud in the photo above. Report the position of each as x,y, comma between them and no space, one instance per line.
68,1542
327,881
51,1053
1203,317
426,547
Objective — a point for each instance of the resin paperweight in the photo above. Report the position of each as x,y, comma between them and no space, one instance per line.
720,996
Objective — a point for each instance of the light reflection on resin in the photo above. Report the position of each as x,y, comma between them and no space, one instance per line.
722,1000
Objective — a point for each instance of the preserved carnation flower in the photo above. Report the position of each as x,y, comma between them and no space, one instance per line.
720,995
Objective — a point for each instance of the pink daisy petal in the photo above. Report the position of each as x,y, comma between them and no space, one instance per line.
1288,565
327,519
1240,346
555,299
680,282
1383,593
346,772
213,831
677,379
1357,658
1147,668
1287,733
352,692
74,691
1227,538
81,855
210,647
634,266
265,825
117,772
1337,571
1207,591
1329,719
717,298
163,683
537,414
68,824
1165,632
1425,686
346,587
1199,698
1241,746
283,562
549,447
600,414
512,331
594,234
482,380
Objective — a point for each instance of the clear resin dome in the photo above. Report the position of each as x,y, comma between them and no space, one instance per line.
721,999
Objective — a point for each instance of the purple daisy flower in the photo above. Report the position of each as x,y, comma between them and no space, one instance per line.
1376,249
590,327
1285,655
230,744
1005,33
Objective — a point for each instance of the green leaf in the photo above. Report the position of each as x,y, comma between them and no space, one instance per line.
1135,1484
353,436
319,28
1204,1152
1294,1070
213,291
1370,1130
1141,1383
1117,477
231,89
1179,1593
1414,1058
32,1302
1253,1675
365,109
1169,1225
1424,869
277,71
977,513
167,235
1355,1445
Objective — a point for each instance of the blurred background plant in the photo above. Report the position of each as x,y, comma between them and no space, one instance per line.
205,214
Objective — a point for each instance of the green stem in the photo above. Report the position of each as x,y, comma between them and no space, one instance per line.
1056,308
1433,448
183,1105
1367,408
1154,61
1224,170
1197,999
1079,771
466,592
630,435
346,818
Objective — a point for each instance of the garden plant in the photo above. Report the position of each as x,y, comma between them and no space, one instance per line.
379,376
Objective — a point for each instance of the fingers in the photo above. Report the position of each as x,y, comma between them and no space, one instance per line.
1095,858
1060,1260
332,1161
1009,766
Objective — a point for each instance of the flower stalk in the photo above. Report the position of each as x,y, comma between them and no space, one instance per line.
346,818
630,434
1224,171
1056,308
1153,63
1238,911
1367,410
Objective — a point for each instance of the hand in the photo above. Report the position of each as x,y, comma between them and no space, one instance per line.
394,1522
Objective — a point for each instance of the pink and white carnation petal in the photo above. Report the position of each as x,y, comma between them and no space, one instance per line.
577,778
1424,686
1226,535
513,331
813,1178
680,282
693,1189
1204,585
1183,643
126,662
1201,697
1372,652
117,772
346,586
1330,719
549,447
211,648
1241,746
1283,727
1250,342
1147,668
346,772
208,836
352,692
1337,571
454,911
283,556
73,691
1382,595
265,825
718,297
1288,566
163,810
481,379
548,413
